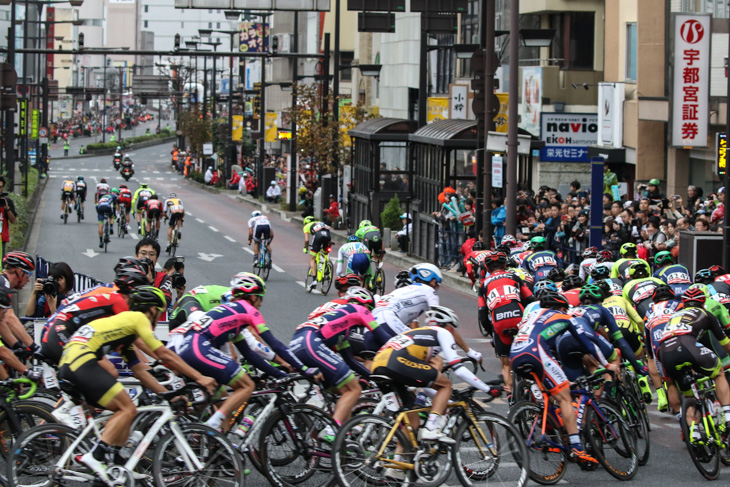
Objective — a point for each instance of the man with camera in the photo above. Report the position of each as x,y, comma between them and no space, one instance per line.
49,292
148,248
7,214
175,268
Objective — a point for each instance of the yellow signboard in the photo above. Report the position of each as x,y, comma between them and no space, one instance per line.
500,120
437,109
237,128
271,128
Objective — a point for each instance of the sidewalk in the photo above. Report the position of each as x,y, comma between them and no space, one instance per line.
396,258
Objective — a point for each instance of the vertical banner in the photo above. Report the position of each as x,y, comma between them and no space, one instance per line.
237,131
34,124
720,154
50,37
271,127
458,95
596,202
497,171
502,116
23,117
437,108
531,100
690,98
610,114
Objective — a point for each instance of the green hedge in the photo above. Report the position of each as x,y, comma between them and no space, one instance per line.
94,146
18,229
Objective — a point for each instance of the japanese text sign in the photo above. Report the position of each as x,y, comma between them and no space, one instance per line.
458,95
721,152
690,99
254,37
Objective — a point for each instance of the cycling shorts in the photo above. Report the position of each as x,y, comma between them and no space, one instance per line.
320,240
684,349
81,194
307,346
261,232
506,320
140,204
176,217
404,368
363,343
571,354
631,335
154,213
93,381
359,264
67,195
529,357
374,242
102,211
197,351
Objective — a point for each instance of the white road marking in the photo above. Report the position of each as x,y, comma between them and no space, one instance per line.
155,172
301,283
160,179
248,250
134,236
229,238
199,220
188,213
277,268
213,228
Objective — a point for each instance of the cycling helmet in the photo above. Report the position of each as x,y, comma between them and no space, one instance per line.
143,185
538,243
133,263
441,316
717,270
628,249
545,285
123,186
80,178
599,271
145,297
702,288
662,293
426,273
509,241
694,297
127,158
604,256
308,220
704,276
590,252
365,223
572,282
591,293
254,213
174,195
153,197
353,238
572,269
495,260
402,279
637,270
605,287
247,284
103,181
115,191
512,263
342,283
556,275
663,258
19,260
128,278
360,295
553,300
654,182
119,147
479,245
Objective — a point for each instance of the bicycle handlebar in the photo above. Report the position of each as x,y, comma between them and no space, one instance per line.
21,380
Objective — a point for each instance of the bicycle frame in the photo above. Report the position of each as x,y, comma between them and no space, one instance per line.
321,261
701,389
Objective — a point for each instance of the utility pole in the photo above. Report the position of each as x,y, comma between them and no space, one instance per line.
294,169
121,108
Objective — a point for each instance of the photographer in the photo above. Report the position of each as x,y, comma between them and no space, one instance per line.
175,268
7,213
49,292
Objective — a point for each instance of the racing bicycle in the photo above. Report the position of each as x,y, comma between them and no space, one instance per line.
122,221
262,266
325,271
77,207
174,240
67,207
107,231
375,281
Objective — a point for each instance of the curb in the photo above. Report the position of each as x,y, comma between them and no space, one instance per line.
210,189
33,203
396,258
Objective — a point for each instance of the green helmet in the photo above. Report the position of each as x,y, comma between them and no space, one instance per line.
591,293
538,243
663,258
115,190
308,220
365,223
654,182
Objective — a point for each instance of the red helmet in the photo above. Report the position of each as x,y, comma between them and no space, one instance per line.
694,295
18,259
347,281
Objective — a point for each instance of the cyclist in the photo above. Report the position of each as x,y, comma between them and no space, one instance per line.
590,257
143,193
84,365
102,189
125,198
410,358
198,342
626,317
540,261
153,209
402,279
259,228
369,234
679,347
6,355
640,288
718,290
105,207
174,213
601,273
571,289
342,284
505,296
472,261
557,275
201,298
531,354
356,257
675,275
84,308
605,257
81,193
68,195
620,268
323,342
319,234
660,312
511,242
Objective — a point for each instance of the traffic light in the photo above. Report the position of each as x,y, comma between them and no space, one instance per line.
177,41
81,40
275,44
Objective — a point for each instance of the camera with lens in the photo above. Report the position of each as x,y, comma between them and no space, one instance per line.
178,280
50,286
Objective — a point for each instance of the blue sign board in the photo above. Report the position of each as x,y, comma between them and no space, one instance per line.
564,154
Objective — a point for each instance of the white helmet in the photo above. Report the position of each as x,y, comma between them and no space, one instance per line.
426,273
441,316
255,213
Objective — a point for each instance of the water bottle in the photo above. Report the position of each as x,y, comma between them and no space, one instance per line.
131,444
245,425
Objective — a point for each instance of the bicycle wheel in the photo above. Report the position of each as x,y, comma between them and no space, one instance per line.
611,441
78,212
704,453
356,461
326,282
294,448
106,235
490,452
634,416
34,458
265,264
221,464
308,281
65,215
548,455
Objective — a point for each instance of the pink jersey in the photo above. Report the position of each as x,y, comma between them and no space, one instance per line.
334,326
328,306
224,323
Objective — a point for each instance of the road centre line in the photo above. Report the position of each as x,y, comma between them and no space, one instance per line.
229,238
277,268
213,228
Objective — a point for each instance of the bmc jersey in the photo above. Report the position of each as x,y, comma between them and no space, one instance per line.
125,196
503,288
224,323
540,263
84,309
408,302
676,276
258,220
152,205
334,326
696,322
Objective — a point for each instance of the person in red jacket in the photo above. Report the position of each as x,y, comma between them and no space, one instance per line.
333,212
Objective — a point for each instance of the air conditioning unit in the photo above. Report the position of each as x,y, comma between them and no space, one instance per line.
284,42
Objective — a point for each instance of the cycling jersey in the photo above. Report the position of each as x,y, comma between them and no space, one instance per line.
326,307
81,189
627,320
585,266
720,292
404,305
571,351
473,261
676,276
261,227
638,292
616,284
600,318
201,298
140,197
174,205
573,297
153,208
102,189
620,268
357,257
695,322
68,187
320,239
104,207
657,318
541,262
125,197
505,295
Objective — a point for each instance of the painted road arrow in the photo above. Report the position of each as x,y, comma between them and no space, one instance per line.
208,257
90,253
